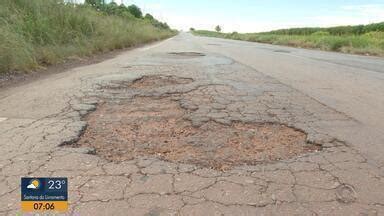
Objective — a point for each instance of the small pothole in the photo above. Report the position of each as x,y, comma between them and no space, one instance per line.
346,194
282,51
186,54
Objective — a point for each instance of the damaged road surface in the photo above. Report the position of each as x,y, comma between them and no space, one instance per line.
176,129
159,126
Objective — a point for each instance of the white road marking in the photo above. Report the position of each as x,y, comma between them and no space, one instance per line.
3,119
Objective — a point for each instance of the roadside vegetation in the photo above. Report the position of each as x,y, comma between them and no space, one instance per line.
361,39
35,33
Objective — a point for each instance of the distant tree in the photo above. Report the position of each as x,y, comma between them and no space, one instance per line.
165,25
90,2
155,22
135,11
148,17
218,28
94,2
127,12
123,11
113,4
192,29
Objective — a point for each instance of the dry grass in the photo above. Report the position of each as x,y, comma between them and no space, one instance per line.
43,32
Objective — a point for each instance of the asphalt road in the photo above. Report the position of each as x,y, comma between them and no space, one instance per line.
209,107
350,84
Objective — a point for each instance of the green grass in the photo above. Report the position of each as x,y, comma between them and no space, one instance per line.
371,43
43,32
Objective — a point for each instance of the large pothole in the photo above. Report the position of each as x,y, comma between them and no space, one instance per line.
150,126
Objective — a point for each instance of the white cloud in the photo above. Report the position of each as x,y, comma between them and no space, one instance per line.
31,186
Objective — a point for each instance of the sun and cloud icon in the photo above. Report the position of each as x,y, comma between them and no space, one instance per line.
34,184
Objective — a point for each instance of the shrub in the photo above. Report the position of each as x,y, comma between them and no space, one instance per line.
321,33
135,11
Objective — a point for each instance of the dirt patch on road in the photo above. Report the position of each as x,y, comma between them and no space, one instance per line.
159,81
153,126
148,82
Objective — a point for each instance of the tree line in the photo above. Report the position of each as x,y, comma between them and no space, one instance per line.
339,30
131,11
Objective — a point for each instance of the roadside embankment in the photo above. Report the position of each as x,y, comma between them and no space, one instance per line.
45,32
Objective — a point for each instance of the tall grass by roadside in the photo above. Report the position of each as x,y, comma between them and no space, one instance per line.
367,43
43,32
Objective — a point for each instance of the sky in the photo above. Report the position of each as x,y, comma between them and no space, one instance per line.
261,15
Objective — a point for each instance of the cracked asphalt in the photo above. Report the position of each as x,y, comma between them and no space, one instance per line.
41,124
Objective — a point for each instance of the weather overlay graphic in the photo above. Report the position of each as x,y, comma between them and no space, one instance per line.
44,194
